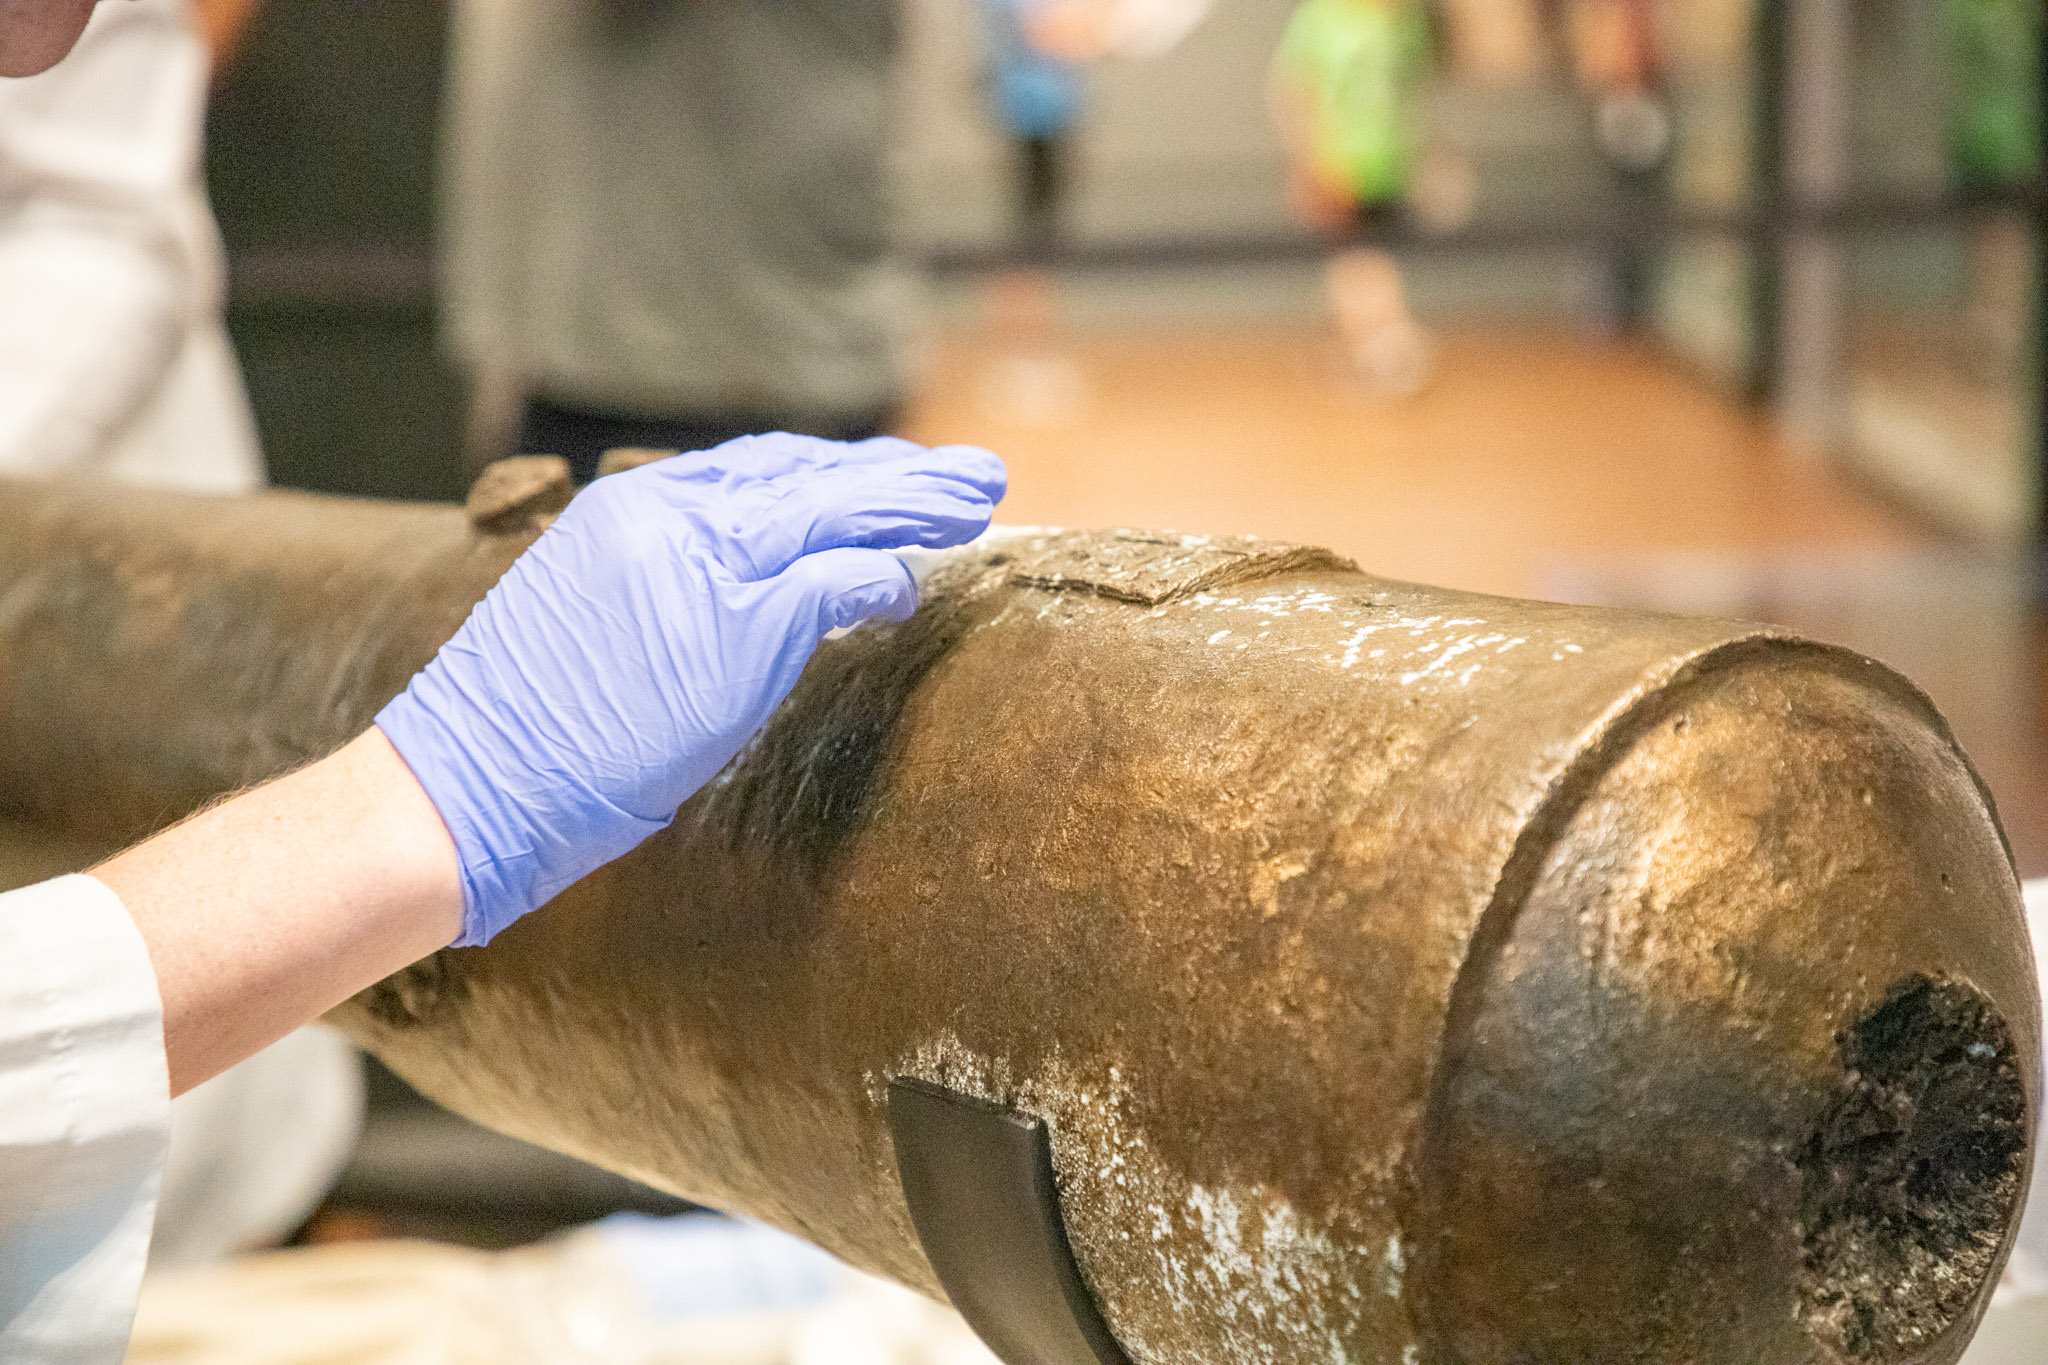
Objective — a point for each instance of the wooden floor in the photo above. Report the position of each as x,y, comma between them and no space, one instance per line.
1526,448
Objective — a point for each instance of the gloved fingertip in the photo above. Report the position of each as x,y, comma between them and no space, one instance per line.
975,465
963,522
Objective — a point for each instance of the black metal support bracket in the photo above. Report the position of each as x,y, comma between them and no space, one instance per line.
979,1181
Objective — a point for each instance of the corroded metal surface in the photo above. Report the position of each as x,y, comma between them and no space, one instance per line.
1406,975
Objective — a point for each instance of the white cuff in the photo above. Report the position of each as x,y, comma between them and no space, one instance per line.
84,1121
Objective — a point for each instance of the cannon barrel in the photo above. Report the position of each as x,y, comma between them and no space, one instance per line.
1394,974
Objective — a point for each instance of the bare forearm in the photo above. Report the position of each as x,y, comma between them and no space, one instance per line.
264,912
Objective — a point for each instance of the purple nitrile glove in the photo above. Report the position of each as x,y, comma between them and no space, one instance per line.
644,638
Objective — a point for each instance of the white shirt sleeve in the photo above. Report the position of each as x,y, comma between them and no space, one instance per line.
84,1122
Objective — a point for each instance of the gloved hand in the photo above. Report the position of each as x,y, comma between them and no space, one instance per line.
648,633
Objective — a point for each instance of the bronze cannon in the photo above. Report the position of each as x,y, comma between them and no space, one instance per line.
1391,974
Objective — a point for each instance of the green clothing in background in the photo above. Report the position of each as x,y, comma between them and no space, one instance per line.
1995,133
1358,66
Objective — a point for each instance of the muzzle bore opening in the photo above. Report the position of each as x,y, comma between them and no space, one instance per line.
1912,1178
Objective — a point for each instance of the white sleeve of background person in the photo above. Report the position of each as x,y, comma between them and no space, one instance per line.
99,285
85,1115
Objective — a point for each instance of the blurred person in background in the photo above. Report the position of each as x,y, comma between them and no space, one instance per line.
1038,51
113,357
1035,78
1994,137
1347,97
1496,42
1038,56
1617,61
115,363
1995,118
665,222
1617,58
